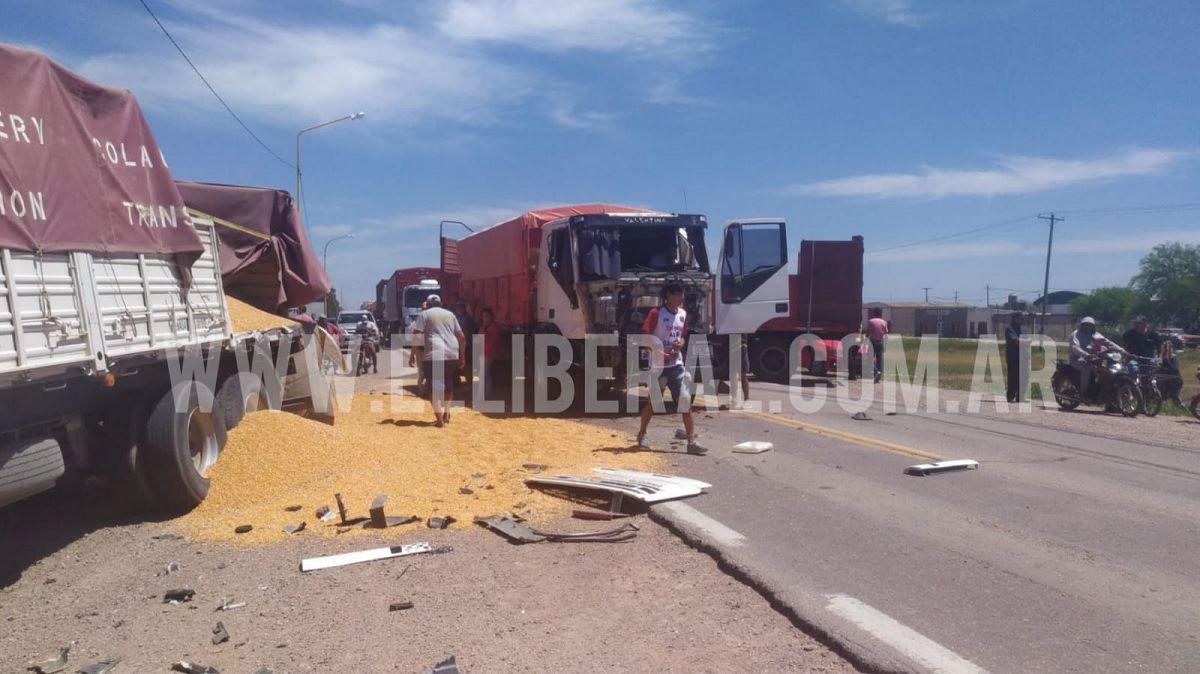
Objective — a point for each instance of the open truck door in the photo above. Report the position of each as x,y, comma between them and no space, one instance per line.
752,275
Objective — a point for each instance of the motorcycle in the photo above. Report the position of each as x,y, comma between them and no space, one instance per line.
1146,372
1117,390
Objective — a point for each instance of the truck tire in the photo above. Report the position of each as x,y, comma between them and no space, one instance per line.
770,360
121,460
181,446
235,401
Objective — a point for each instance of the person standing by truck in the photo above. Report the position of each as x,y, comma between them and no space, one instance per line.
877,331
1013,336
668,324
490,330
439,345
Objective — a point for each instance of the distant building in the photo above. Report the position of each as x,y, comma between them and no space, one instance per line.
1058,303
944,319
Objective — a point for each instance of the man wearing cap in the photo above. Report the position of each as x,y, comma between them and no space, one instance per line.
438,345
1084,342
1141,340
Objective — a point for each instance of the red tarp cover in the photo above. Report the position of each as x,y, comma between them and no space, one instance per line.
261,222
79,168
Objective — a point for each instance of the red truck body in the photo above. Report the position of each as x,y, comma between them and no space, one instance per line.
831,274
497,265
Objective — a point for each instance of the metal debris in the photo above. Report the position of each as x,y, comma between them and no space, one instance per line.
52,663
753,447
228,604
193,668
380,520
596,515
170,568
330,561
178,596
294,508
220,635
465,490
447,666
295,528
325,513
400,606
243,529
341,507
860,416
922,469
101,667
535,467
167,537
645,487
522,533
440,522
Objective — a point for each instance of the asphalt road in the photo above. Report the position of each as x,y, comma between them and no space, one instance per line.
1062,552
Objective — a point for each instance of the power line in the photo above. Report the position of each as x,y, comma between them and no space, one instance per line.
1007,223
210,87
1134,210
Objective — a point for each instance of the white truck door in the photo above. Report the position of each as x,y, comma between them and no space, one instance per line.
752,275
557,302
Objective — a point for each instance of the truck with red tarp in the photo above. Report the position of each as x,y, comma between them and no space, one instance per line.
583,269
759,298
105,280
402,293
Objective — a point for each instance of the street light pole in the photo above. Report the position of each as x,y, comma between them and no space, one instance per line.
325,262
351,117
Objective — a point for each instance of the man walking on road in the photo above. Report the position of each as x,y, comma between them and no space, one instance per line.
439,343
668,323
1013,335
877,331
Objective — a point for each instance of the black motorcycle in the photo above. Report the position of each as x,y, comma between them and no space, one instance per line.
1147,373
1114,388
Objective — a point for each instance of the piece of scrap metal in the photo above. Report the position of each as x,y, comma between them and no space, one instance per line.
922,469
330,561
447,666
645,487
440,522
523,533
193,668
860,416
228,604
511,529
53,663
243,528
753,447
325,513
101,667
220,634
295,528
178,596
380,520
400,606
596,515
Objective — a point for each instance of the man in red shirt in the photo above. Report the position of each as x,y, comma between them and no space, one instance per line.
490,330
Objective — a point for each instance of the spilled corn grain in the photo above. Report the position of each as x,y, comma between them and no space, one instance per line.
274,460
246,318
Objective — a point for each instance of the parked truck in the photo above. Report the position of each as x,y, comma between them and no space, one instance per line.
758,297
583,270
102,283
402,294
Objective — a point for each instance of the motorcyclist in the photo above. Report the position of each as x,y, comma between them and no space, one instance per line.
1141,340
1086,344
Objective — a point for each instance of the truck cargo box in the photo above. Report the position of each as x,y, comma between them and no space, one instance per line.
831,276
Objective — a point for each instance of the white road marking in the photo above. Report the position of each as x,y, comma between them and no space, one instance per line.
715,530
904,639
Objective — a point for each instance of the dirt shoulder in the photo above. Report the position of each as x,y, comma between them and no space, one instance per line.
651,604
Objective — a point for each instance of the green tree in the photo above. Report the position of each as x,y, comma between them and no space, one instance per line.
1169,279
1111,307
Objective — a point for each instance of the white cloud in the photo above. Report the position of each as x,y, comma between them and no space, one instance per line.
895,12
404,68
631,26
1013,175
1141,242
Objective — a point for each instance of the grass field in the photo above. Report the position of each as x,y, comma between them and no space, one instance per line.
956,365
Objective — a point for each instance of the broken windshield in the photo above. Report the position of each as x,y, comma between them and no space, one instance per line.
605,252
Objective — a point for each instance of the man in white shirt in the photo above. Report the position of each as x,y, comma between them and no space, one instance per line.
668,324
438,347
1084,344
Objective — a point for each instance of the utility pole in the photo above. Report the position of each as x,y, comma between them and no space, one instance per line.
1046,282
988,294
956,297
926,289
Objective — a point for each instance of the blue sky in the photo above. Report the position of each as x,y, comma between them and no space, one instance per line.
901,120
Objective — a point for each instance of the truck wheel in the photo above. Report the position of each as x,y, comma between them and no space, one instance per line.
235,402
769,360
121,462
181,445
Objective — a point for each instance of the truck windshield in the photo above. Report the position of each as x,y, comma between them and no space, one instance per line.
605,252
414,296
